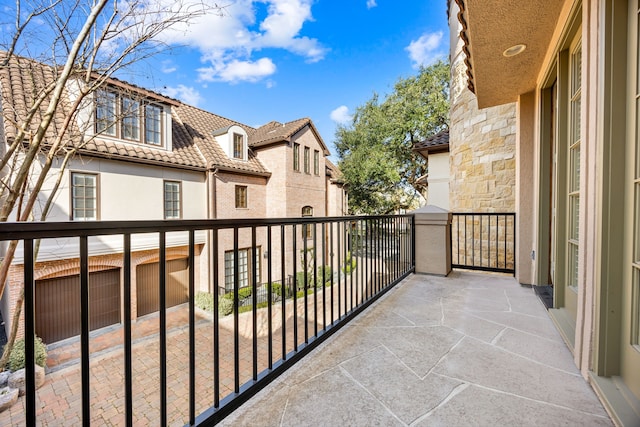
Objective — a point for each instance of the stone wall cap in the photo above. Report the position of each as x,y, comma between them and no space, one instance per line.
429,209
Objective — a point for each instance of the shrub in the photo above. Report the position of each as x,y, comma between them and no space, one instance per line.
225,305
276,288
300,280
17,357
349,263
327,275
242,294
204,301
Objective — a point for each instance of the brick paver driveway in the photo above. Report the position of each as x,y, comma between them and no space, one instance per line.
59,399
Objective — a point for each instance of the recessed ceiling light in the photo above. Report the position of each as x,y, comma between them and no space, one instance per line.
514,50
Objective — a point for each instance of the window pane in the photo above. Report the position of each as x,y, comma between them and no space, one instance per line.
306,159
153,125
105,113
243,268
316,162
238,146
228,270
130,119
171,200
296,157
241,196
83,197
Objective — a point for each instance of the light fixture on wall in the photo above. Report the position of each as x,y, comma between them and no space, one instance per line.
514,50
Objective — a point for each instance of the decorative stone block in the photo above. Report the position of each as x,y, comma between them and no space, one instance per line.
8,396
18,380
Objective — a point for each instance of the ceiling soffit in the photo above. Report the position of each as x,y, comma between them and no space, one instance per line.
489,27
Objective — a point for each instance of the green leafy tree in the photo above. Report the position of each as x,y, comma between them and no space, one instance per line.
375,149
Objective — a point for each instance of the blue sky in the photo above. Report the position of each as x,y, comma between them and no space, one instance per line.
286,59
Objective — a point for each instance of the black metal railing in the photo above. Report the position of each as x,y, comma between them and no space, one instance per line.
484,241
343,264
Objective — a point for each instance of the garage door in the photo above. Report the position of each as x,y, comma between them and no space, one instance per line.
147,285
58,304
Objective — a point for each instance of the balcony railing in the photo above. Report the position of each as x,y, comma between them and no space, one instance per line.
314,275
484,241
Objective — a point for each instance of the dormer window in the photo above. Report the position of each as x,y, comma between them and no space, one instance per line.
234,142
128,118
238,146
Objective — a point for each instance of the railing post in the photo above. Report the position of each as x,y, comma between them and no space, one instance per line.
432,240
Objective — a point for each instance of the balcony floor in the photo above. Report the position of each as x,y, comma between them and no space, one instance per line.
469,349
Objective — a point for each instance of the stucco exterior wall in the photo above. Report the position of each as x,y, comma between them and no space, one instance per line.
438,194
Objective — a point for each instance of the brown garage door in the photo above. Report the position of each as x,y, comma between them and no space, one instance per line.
148,279
58,304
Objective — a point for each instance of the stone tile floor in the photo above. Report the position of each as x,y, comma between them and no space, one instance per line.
469,349
466,350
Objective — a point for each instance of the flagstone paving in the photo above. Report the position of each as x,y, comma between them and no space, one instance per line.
470,349
466,350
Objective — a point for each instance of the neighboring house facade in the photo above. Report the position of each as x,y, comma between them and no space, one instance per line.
143,156
571,67
435,150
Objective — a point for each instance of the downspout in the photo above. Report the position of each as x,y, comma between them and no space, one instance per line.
211,214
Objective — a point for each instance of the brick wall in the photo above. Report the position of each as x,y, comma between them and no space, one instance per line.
68,267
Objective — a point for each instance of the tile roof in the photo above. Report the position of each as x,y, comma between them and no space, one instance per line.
21,82
275,132
194,145
434,144
200,126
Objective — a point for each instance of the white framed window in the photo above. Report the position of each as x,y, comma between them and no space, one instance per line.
84,196
153,124
172,200
246,264
123,116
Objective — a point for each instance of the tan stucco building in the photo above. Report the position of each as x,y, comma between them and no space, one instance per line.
571,68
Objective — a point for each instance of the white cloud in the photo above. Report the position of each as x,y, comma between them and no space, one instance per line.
186,94
426,49
341,115
228,42
168,67
371,4
238,71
